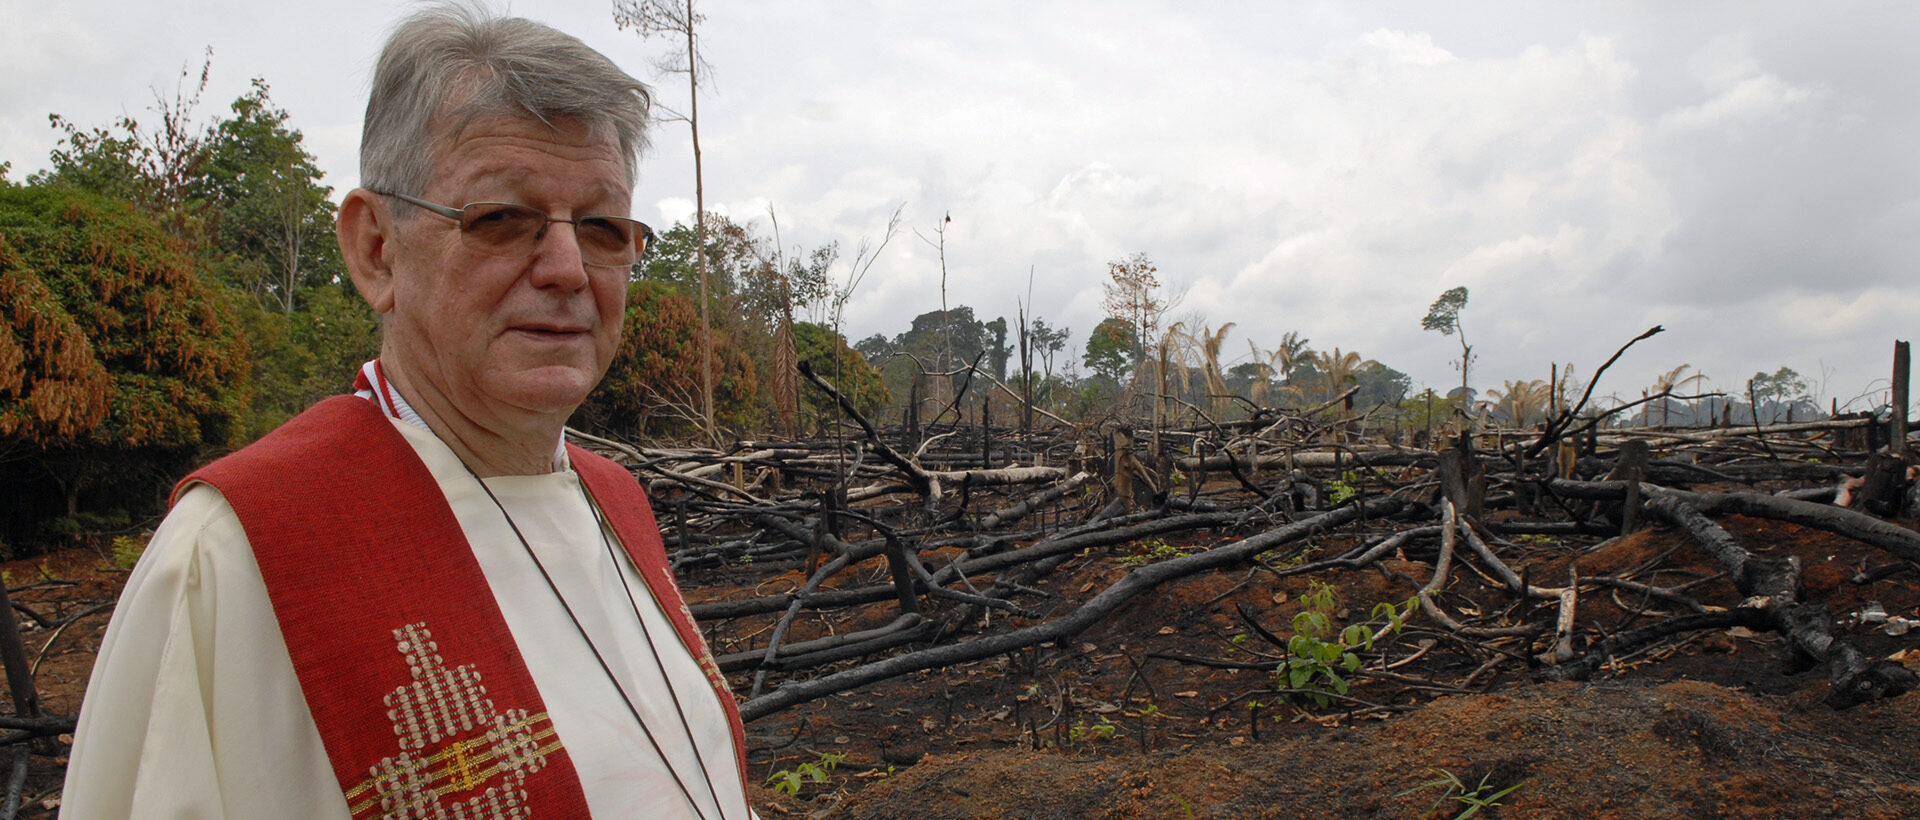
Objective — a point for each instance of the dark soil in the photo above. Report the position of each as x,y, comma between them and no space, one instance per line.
1705,725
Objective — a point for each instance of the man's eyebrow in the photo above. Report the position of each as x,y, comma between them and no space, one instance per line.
514,176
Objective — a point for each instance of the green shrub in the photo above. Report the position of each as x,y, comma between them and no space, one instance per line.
1318,661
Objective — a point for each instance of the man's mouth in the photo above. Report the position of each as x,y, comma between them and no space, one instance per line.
549,331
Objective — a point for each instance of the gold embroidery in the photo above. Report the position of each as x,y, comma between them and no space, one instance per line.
702,655
443,768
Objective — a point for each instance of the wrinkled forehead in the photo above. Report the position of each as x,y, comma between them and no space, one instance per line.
525,150
460,115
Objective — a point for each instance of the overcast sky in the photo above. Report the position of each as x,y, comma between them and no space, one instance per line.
1742,173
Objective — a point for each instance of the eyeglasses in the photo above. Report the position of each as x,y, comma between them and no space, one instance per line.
512,231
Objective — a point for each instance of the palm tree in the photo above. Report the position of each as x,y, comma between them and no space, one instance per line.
1210,343
1667,383
1337,370
1276,365
1161,374
1522,402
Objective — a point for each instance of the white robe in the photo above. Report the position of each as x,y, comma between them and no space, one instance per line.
194,709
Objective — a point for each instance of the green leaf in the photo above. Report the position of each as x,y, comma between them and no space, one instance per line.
1357,635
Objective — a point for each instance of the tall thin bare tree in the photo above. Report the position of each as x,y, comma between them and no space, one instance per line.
678,19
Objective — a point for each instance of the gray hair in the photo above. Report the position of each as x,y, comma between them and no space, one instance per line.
450,64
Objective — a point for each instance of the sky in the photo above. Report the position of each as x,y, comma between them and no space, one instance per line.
1743,174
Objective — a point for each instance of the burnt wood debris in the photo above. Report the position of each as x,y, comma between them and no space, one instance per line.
942,535
953,526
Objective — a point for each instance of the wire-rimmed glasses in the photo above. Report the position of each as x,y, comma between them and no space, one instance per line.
512,231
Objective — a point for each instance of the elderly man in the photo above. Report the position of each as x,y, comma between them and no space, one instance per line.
418,601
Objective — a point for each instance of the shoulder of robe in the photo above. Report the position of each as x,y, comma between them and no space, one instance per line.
200,531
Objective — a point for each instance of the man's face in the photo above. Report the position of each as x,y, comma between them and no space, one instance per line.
496,337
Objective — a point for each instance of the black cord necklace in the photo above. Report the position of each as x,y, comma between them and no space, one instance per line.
652,648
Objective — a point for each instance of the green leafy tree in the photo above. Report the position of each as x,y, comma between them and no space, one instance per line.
875,348
1380,384
1426,410
849,372
998,351
1444,317
938,342
753,289
1781,385
247,202
926,339
274,222
1047,342
1110,347
738,269
272,242
303,358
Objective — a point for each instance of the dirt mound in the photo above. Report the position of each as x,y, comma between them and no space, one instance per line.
1682,749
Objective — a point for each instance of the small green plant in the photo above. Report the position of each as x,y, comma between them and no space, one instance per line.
1100,729
1149,551
1300,556
1318,661
1184,805
127,550
790,781
1343,489
1536,540
1472,800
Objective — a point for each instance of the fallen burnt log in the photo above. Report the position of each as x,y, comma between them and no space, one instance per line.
1895,539
1099,606
1771,586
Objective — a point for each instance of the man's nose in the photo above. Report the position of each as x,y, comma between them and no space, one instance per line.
556,259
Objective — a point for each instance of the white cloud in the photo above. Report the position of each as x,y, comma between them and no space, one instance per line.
1400,46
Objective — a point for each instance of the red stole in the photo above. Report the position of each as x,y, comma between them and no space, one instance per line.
419,693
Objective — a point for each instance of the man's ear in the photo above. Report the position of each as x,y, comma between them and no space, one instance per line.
365,228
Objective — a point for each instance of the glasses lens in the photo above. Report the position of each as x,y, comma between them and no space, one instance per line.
501,229
506,229
609,240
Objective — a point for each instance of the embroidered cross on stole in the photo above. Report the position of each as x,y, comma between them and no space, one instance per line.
422,700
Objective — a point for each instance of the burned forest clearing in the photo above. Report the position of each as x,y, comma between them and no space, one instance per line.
1280,616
